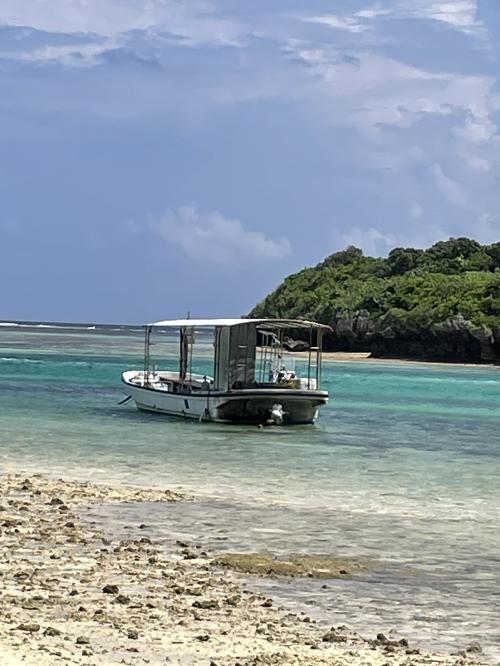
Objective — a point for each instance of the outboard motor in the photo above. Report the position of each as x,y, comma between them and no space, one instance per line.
276,416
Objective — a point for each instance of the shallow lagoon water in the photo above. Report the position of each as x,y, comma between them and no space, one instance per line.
403,468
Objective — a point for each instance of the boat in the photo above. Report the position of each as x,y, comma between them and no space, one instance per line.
253,381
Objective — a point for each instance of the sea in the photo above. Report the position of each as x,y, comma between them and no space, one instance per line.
402,471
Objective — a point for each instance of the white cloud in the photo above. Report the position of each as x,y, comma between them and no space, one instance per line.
213,238
477,163
70,55
349,23
369,90
378,243
458,14
372,241
408,117
478,127
195,22
487,228
373,12
449,188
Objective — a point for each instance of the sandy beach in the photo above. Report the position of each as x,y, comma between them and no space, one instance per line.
72,592
367,357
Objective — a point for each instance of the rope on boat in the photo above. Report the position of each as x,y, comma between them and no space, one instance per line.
206,415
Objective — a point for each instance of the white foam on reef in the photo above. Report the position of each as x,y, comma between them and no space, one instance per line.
16,359
59,327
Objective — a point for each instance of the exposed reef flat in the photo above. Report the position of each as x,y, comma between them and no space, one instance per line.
311,566
74,593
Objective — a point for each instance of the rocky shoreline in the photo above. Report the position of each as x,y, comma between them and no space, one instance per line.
453,340
74,593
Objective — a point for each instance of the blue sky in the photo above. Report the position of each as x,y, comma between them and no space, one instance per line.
158,156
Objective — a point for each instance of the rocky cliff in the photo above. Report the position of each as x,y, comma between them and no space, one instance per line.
453,339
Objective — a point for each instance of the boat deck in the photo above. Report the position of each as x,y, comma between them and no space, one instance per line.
170,382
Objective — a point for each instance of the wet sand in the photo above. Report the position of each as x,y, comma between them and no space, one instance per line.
72,592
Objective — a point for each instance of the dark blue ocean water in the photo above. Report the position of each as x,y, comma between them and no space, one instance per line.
403,468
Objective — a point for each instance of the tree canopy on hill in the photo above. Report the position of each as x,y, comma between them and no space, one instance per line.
443,302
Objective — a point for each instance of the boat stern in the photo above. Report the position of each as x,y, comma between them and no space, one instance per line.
283,409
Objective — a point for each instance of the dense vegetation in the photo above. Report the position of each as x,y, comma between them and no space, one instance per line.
439,303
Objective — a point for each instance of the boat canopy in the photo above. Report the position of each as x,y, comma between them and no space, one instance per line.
262,323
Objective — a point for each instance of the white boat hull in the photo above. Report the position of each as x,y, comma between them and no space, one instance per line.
298,406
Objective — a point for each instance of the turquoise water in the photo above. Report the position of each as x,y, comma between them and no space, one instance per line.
403,468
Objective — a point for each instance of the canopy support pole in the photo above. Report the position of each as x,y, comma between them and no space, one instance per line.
147,344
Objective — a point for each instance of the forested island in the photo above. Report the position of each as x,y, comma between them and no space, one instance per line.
439,304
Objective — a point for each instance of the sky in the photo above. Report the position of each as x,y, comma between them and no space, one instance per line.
165,156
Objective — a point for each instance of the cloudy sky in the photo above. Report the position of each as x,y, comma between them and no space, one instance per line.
158,156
